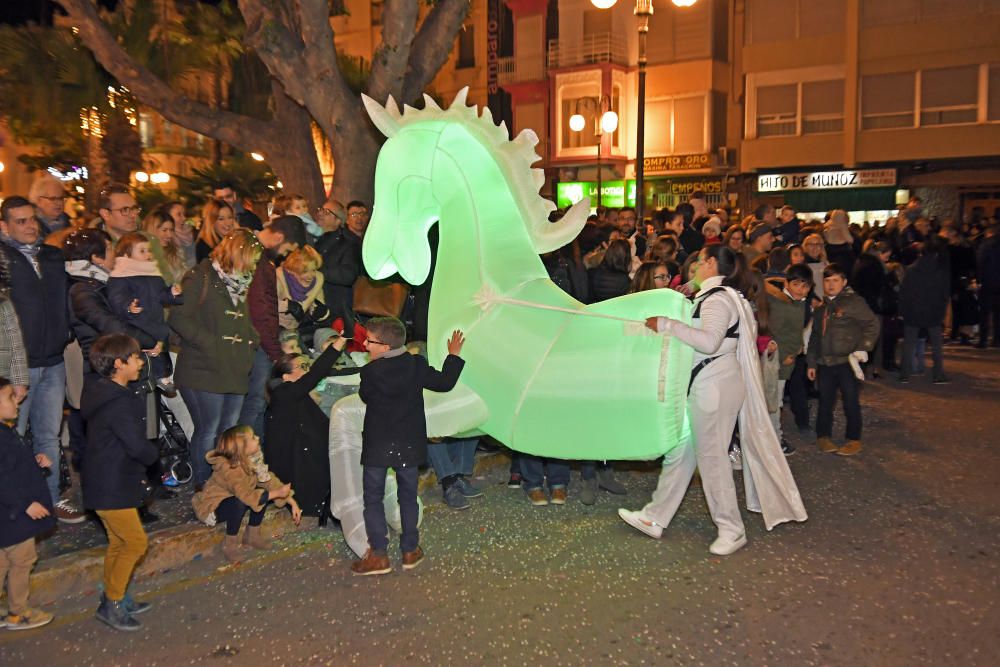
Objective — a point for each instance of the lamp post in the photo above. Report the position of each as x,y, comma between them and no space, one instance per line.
643,10
608,124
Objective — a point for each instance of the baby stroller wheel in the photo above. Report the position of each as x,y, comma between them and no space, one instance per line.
181,471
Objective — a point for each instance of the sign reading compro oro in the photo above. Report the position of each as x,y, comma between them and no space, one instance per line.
827,180
667,163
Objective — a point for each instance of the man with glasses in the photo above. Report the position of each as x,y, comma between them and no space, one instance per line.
38,286
341,261
248,219
118,210
49,198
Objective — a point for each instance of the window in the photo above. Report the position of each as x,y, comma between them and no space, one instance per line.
993,104
949,96
676,126
777,110
589,107
887,100
777,20
466,47
822,107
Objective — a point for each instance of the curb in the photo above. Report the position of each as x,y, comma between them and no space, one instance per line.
80,573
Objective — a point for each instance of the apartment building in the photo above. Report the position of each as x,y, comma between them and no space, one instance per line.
858,104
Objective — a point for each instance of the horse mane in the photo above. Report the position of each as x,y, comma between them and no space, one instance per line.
513,156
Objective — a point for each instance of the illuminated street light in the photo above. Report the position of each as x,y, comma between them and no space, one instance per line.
609,122
159,178
141,177
2,167
643,11
257,156
576,122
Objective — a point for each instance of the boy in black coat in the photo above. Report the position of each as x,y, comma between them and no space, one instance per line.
395,434
25,511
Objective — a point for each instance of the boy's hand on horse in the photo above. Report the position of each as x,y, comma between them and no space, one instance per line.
456,342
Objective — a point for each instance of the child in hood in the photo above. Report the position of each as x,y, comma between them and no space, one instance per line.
137,294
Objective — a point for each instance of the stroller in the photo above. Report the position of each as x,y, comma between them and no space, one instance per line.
175,450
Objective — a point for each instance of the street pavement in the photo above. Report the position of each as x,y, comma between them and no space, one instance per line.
897,565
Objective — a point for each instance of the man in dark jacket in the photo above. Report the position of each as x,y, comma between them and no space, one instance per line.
227,193
923,302
38,290
395,434
281,236
341,252
988,273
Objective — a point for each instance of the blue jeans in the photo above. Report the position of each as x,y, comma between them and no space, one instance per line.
456,457
42,410
533,472
212,414
588,469
373,483
255,403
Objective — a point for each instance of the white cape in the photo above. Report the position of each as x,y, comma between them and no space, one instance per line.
768,482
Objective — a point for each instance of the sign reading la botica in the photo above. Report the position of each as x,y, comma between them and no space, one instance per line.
827,180
666,163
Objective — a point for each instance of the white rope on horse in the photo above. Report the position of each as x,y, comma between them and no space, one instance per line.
486,298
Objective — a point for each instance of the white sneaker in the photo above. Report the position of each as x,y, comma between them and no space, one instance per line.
723,546
641,523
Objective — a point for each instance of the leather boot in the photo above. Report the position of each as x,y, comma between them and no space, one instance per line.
231,549
252,537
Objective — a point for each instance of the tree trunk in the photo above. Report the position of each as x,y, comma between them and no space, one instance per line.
292,152
355,151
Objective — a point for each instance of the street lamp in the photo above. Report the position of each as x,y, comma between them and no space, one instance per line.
608,125
643,10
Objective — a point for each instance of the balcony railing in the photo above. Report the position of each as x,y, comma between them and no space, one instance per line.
513,70
592,49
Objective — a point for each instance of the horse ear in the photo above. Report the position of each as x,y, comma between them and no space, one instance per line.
384,119
549,236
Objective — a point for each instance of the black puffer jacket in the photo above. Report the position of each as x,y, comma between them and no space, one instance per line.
925,292
117,453
90,317
607,284
40,303
341,253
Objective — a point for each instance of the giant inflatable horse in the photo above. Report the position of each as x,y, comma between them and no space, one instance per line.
544,374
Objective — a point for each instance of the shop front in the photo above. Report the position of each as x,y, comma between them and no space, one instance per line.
868,195
661,192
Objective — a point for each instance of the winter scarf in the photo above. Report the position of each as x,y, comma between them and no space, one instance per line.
126,267
296,290
82,268
237,285
29,250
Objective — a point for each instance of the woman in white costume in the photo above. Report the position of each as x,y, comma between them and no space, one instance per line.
725,386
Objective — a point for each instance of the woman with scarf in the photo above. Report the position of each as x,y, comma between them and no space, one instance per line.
218,342
300,292
725,386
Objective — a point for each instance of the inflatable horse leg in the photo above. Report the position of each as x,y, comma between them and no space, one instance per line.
346,421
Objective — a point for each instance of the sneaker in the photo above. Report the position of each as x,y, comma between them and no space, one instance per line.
455,499
515,481
826,445
850,449
411,559
537,497
169,480
134,606
66,513
723,546
607,481
942,379
786,448
588,491
558,495
736,457
114,614
641,523
372,563
467,488
32,618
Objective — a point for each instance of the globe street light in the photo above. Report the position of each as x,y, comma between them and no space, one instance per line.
608,124
643,10
576,122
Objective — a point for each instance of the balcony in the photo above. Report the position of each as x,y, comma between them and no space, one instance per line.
592,49
517,69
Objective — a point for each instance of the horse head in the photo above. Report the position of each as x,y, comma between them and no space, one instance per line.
408,202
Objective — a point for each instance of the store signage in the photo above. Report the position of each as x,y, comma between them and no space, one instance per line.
667,163
492,46
827,180
710,186
613,193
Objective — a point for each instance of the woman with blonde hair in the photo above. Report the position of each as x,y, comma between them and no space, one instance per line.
839,241
218,220
160,225
218,341
300,291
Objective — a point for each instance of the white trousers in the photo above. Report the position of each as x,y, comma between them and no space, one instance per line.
776,415
713,408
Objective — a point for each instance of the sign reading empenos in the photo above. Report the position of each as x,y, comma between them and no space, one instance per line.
827,180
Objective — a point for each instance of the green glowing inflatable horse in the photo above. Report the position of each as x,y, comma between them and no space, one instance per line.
557,378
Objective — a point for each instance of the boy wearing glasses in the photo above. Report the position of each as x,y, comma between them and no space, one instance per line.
395,434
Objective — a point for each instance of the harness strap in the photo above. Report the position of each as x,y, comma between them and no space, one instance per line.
699,368
731,332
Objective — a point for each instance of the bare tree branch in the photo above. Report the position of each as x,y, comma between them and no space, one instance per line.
235,129
433,44
390,61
